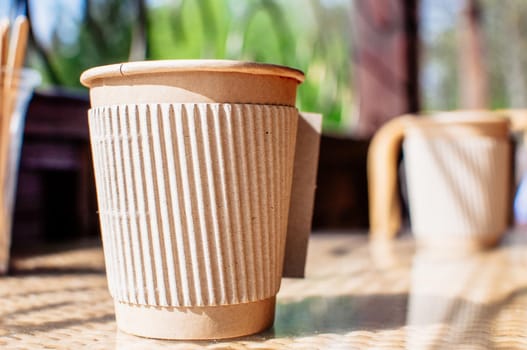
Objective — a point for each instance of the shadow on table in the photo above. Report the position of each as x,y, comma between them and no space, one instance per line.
430,321
340,314
81,258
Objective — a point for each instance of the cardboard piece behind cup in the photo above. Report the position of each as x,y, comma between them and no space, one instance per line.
302,193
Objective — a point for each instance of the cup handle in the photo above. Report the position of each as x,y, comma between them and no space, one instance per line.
383,154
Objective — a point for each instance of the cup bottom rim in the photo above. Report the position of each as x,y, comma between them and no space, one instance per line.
195,323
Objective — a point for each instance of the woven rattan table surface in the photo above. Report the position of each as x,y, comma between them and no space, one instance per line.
355,296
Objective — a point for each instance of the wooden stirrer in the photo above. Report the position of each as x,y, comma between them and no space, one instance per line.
4,41
16,49
4,48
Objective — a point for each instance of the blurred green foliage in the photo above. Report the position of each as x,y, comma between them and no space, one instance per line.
103,35
313,36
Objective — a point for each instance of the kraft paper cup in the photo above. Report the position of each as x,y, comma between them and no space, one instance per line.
458,178
458,184
193,163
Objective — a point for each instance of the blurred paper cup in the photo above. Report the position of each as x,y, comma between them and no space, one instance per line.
457,167
193,164
16,89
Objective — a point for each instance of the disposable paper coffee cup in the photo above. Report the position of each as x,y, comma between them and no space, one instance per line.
193,163
458,179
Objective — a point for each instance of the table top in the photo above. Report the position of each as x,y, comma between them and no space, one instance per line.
355,296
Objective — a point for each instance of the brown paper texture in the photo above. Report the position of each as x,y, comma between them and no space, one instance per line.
302,193
197,190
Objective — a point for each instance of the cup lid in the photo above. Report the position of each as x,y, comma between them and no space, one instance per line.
92,75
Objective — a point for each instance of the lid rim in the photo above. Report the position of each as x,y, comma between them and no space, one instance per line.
127,69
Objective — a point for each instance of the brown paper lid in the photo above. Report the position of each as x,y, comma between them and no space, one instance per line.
91,77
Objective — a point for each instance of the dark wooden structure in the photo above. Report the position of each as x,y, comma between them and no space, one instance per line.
56,191
341,199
